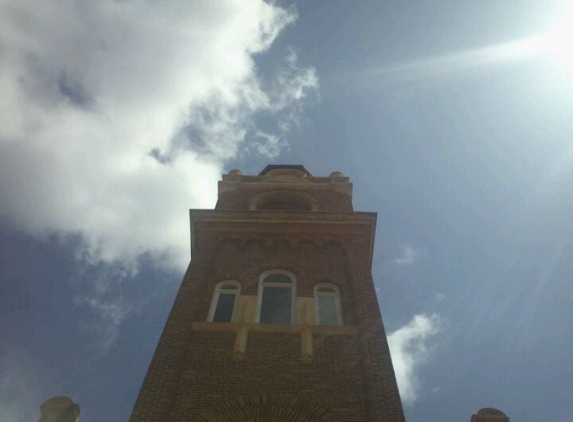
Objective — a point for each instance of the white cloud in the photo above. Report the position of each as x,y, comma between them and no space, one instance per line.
267,144
408,255
117,117
410,348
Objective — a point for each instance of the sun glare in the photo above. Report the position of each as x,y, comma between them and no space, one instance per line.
557,42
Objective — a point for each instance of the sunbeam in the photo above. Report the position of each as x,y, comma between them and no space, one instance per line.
554,43
446,64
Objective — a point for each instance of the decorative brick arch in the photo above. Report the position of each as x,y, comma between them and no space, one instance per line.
230,244
333,246
266,408
282,242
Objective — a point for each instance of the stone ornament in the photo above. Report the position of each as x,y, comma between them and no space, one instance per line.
489,414
60,409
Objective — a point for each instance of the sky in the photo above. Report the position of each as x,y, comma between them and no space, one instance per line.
452,119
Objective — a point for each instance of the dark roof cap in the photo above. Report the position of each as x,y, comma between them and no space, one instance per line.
285,166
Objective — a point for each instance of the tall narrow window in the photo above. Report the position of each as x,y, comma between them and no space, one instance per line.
224,301
276,297
327,302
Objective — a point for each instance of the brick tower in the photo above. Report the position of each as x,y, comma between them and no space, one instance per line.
276,318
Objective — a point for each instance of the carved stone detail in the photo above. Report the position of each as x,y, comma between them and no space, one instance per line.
60,409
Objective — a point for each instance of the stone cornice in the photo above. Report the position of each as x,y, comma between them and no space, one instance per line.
288,222
324,183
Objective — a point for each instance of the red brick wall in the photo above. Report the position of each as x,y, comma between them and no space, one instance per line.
350,376
194,375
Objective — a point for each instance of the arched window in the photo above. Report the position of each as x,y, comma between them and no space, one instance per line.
283,200
224,301
327,303
276,297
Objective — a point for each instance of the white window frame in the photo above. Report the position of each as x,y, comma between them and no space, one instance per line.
335,294
292,286
218,290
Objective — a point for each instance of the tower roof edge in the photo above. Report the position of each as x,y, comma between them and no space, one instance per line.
299,167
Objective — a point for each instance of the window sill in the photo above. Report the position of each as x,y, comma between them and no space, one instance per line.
276,328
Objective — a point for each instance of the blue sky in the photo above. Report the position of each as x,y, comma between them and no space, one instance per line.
452,119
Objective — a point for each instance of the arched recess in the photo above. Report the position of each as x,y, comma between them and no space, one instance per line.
266,408
283,200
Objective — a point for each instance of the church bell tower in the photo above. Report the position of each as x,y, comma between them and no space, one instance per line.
276,318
